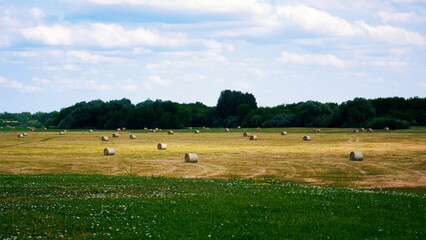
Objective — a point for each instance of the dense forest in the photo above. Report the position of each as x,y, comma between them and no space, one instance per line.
233,109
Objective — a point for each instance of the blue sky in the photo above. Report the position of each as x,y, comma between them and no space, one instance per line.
54,54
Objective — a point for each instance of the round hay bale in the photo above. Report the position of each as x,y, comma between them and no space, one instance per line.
258,129
318,130
355,131
356,156
109,151
246,134
153,130
156,129
239,127
25,134
204,128
196,131
132,136
160,129
44,129
361,129
306,138
104,138
124,129
90,131
61,133
145,128
65,131
115,135
370,130
170,132
32,130
207,128
191,158
226,129
161,146
190,128
20,135
315,131
386,129
283,133
253,137
118,129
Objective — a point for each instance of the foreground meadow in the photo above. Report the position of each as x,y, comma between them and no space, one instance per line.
393,159
69,206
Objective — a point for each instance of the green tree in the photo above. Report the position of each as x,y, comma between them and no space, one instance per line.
229,101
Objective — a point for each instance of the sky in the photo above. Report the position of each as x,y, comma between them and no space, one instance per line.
54,54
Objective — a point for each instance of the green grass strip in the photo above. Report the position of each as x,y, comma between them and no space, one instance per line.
128,207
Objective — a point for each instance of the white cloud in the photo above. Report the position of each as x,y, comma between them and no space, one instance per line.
397,17
18,85
141,51
148,85
312,59
375,80
194,77
321,22
37,13
95,34
111,35
197,7
317,21
71,67
41,80
159,81
129,88
54,35
393,64
30,88
25,54
59,84
244,85
393,35
4,41
85,57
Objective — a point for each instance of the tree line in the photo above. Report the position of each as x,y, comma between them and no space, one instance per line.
233,109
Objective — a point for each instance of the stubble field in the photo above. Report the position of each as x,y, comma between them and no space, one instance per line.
393,159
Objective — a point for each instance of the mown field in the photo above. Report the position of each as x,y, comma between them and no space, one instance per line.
278,187
394,159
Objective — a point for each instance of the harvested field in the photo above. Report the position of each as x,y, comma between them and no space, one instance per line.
392,159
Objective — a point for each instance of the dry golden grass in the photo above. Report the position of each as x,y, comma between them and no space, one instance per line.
391,159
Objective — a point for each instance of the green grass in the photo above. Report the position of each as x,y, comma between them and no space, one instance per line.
129,207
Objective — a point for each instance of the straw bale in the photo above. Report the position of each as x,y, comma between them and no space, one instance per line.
161,146
191,158
109,151
356,156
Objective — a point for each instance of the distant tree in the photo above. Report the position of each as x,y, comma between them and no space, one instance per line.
313,114
229,101
233,108
354,113
281,120
392,123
